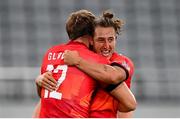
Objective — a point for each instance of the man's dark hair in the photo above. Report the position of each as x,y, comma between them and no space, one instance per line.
108,20
80,23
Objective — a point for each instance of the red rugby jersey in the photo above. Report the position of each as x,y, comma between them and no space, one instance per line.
72,98
104,105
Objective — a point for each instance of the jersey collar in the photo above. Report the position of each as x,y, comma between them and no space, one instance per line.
76,43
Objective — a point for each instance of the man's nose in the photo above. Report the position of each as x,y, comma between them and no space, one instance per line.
106,44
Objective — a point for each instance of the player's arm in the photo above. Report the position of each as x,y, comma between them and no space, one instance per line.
126,99
112,75
46,81
125,114
101,72
37,110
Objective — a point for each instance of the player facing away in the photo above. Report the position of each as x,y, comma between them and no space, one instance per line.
74,88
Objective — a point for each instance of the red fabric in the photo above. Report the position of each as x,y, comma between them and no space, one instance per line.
76,87
104,105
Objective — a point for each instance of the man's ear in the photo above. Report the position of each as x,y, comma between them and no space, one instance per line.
91,44
91,41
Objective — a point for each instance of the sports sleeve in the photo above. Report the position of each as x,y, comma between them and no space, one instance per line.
121,66
111,87
125,63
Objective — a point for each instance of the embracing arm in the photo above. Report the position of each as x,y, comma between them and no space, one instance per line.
46,81
37,110
111,75
125,114
126,99
101,72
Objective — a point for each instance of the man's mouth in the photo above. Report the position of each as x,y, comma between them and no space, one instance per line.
105,53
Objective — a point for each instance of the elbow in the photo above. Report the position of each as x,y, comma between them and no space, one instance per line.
132,105
118,76
129,106
112,79
115,79
109,78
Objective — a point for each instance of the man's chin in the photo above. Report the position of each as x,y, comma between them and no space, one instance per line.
106,56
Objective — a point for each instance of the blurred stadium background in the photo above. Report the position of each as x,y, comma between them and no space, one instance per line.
151,38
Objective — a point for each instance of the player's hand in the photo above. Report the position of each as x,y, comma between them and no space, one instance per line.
71,57
46,81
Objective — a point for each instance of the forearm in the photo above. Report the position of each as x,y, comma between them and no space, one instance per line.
38,89
101,72
37,110
46,81
38,86
126,99
125,114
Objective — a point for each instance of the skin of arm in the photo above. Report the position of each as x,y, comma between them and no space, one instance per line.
127,101
47,81
101,72
37,110
125,115
106,74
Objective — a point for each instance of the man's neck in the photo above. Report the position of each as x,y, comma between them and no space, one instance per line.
84,40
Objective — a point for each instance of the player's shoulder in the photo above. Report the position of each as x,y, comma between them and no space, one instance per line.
56,47
121,56
90,54
126,58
